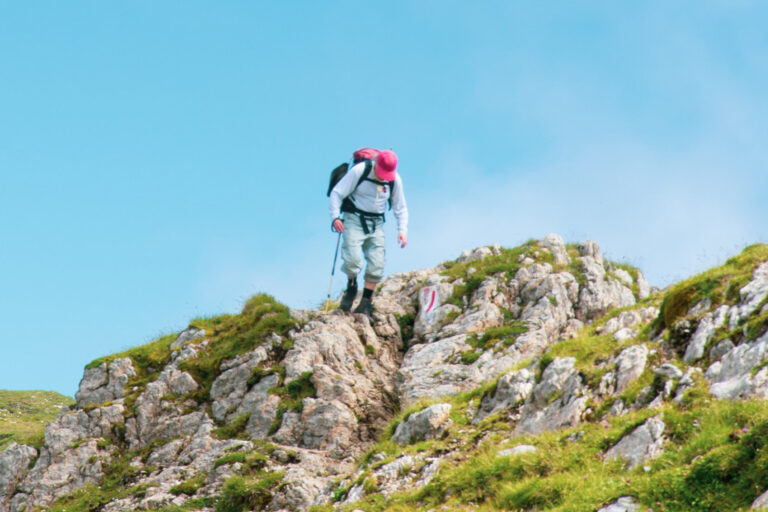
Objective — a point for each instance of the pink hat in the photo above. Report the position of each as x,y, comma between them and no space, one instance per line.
386,163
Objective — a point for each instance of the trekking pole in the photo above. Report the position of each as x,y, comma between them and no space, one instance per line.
333,271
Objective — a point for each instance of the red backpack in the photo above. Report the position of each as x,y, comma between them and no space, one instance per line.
367,155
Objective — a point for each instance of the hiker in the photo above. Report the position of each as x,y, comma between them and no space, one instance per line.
362,195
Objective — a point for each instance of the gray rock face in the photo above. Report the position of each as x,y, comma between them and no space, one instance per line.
731,377
623,504
644,443
14,465
557,401
556,246
669,371
630,364
517,450
547,302
511,390
599,295
230,387
761,502
704,332
479,253
722,348
425,424
105,383
360,379
592,250
406,473
187,336
751,296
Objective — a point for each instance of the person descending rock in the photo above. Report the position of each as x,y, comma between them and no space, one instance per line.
362,196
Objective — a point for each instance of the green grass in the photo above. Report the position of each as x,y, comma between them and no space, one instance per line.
709,464
251,492
498,337
228,335
24,415
231,335
292,397
720,284
506,262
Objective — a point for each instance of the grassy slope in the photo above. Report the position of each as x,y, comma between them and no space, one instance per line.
716,457
24,414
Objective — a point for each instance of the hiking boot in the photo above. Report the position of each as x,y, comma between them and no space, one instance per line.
365,307
349,297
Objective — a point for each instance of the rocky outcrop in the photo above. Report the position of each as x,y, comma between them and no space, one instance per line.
105,383
623,504
14,465
557,401
423,425
307,402
644,443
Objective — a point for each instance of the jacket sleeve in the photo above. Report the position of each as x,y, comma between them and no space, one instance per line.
344,188
399,206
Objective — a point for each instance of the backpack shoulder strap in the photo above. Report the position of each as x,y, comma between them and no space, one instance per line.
366,172
364,176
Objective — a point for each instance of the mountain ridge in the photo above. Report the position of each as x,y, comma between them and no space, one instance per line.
471,373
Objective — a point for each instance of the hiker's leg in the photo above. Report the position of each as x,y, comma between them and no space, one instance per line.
352,247
373,248
375,256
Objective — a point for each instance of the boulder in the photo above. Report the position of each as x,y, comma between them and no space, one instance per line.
644,443
105,383
630,364
704,332
517,450
426,424
556,246
623,504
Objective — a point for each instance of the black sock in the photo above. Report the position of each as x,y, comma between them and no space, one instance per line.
352,284
367,293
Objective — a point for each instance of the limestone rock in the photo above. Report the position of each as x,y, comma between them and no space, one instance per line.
599,294
669,371
722,348
511,390
433,310
425,424
556,246
557,401
592,250
229,388
644,443
630,364
731,376
105,383
479,253
517,450
704,332
751,295
761,502
187,336
623,504
14,465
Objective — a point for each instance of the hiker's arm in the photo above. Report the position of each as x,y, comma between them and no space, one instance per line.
401,212
343,188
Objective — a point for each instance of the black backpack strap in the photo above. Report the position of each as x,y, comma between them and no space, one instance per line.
348,205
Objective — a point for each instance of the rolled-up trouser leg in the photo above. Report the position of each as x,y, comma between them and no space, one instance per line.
352,246
374,249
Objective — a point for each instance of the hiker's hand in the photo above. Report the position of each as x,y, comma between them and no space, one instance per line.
402,240
338,226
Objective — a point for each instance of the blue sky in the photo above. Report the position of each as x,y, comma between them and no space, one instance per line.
166,160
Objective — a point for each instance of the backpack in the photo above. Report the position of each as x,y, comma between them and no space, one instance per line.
368,156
